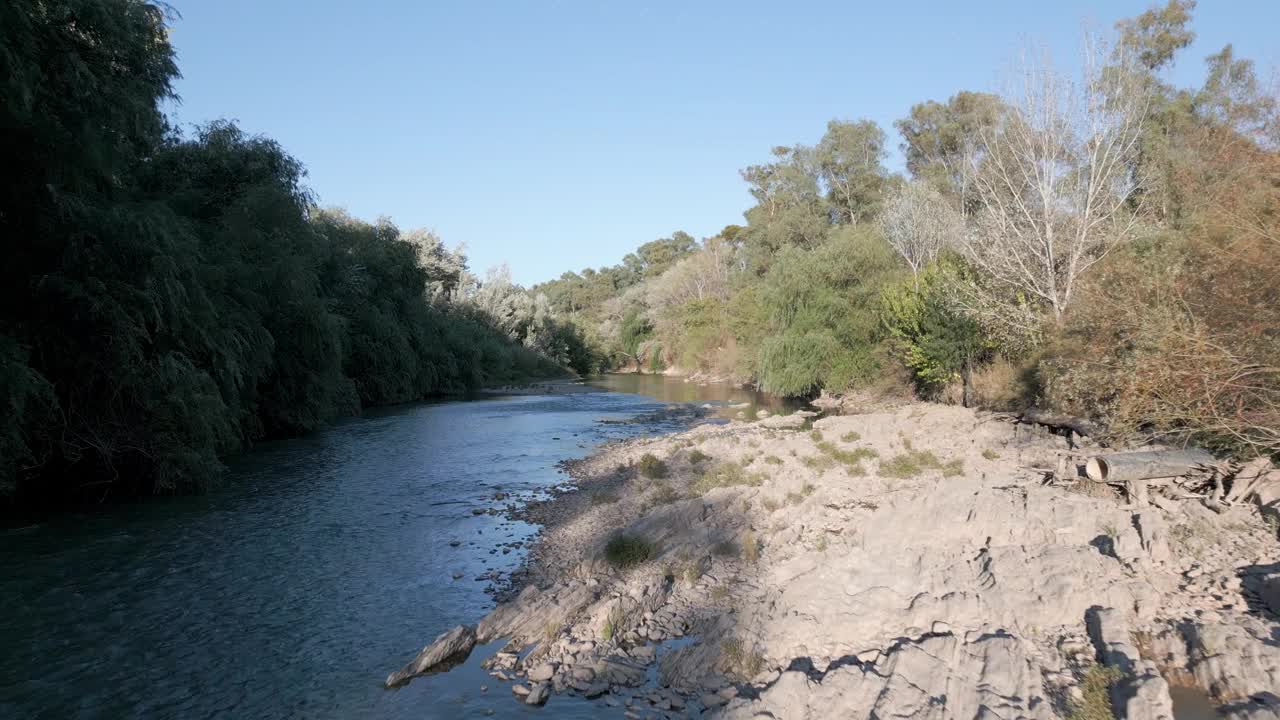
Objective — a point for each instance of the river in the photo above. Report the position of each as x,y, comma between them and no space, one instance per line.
317,567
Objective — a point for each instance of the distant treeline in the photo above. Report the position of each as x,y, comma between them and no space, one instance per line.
166,299
1098,241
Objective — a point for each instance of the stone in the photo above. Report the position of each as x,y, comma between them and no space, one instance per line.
538,694
520,690
542,673
447,650
595,690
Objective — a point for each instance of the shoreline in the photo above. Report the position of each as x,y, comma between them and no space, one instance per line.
867,565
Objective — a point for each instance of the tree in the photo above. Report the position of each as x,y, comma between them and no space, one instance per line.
1158,34
919,223
939,140
1054,181
850,159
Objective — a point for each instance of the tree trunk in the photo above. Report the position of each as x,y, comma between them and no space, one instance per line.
1121,467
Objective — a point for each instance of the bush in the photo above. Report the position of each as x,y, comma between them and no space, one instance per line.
697,457
626,551
651,467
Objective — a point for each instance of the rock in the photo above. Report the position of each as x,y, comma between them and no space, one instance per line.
783,422
762,414
444,652
520,690
1268,589
542,673
940,628
711,700
595,690
1142,693
582,674
538,694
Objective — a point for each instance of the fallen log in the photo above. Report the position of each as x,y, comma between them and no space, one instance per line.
1081,426
1125,467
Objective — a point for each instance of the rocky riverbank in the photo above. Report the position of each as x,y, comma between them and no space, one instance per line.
905,562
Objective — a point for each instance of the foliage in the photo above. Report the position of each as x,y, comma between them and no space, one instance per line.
169,299
936,340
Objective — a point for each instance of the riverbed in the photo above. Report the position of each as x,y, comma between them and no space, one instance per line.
319,565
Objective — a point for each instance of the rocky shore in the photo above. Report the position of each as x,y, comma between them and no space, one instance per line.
908,561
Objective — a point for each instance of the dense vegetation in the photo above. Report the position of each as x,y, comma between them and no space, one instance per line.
167,298
1106,244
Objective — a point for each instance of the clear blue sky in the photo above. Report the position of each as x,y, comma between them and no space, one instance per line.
561,135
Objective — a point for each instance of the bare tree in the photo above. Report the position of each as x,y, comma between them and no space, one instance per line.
1055,179
919,222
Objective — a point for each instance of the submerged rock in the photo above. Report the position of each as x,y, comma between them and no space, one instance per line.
446,651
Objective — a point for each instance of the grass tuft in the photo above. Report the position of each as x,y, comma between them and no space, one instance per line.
726,474
1096,703
850,436
697,457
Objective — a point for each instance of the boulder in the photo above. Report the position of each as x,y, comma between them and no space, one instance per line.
446,651
538,694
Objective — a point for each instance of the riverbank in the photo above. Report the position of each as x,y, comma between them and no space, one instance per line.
877,565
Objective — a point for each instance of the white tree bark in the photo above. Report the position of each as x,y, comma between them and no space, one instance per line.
1055,181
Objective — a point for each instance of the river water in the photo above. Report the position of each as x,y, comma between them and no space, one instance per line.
319,566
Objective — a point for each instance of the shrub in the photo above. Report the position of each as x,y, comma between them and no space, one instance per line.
651,467
990,454
816,436
697,457
626,551
850,436
773,459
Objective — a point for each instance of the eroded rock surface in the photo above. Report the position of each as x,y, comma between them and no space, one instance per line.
903,563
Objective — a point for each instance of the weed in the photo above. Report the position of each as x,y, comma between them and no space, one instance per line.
913,462
663,494
740,661
990,454
1096,703
770,504
625,551
822,543
750,547
604,497
847,457
855,470
773,459
850,436
652,467
698,457
816,436
725,548
821,463
720,593
612,624
727,474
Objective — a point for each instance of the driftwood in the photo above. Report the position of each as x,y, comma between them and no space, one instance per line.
1125,467
1081,426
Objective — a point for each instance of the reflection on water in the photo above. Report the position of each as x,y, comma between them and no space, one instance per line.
727,399
1191,703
